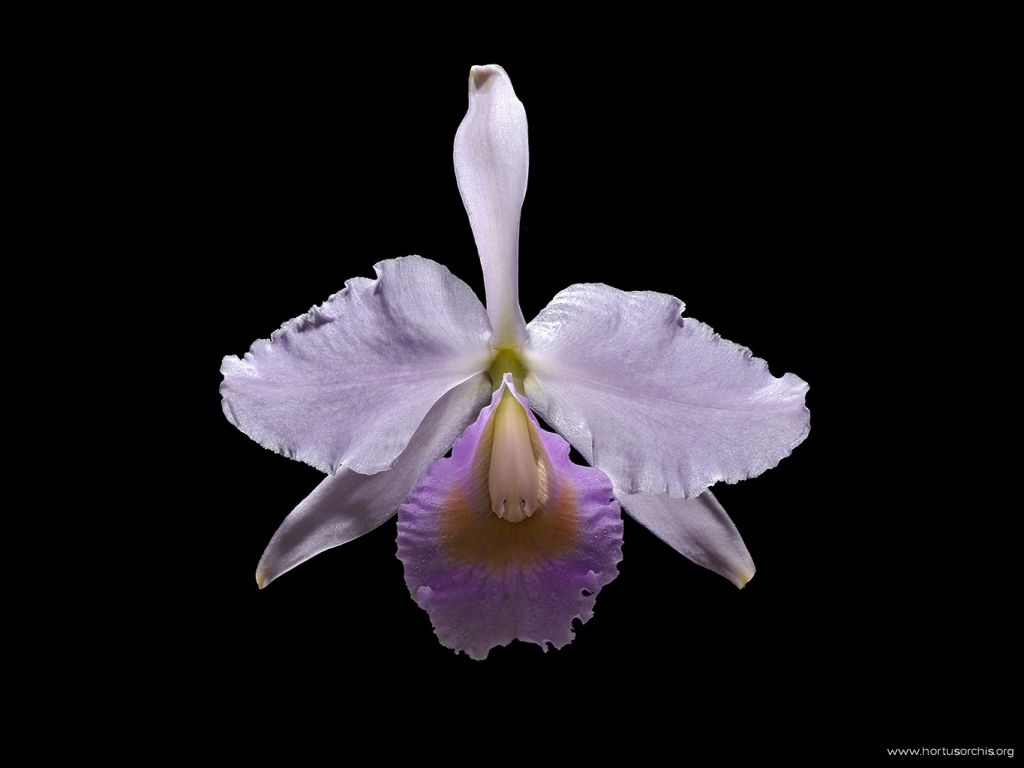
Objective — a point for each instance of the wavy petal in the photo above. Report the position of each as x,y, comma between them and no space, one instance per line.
485,581
658,402
347,384
347,505
698,529
492,162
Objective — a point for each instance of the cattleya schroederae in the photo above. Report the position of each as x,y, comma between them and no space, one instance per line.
508,539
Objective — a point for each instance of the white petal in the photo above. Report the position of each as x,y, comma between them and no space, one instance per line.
346,505
658,402
697,528
492,162
347,384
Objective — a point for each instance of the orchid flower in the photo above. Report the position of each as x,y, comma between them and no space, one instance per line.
508,538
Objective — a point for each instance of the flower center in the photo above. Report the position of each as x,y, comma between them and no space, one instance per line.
512,479
506,360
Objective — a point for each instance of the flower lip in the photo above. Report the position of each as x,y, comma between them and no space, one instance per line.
485,582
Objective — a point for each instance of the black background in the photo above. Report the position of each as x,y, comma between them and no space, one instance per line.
783,191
